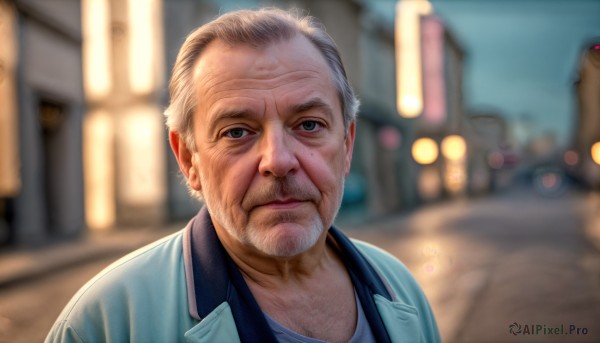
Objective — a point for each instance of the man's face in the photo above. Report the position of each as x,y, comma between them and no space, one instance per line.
271,149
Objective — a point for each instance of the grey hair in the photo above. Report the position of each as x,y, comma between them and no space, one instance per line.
256,28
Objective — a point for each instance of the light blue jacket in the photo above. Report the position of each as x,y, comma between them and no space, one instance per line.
145,297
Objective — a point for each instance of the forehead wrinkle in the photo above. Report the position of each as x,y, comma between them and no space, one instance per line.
241,107
236,107
277,81
215,96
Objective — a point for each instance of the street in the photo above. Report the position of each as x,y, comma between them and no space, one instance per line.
510,267
512,259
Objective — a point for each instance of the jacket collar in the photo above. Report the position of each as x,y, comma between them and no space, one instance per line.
216,279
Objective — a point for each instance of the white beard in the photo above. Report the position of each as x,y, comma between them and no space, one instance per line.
272,240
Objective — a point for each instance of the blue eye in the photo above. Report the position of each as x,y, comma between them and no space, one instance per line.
309,125
236,133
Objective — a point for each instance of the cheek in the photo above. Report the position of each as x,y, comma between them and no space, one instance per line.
326,169
228,176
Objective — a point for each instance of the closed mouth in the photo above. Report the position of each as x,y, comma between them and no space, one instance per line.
282,203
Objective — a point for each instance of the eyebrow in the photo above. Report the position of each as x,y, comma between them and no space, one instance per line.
312,104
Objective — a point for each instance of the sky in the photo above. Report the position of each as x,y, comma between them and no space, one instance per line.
522,57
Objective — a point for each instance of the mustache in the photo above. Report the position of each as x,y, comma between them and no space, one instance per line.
281,188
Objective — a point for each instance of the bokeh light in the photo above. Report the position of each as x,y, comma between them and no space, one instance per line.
496,160
425,151
571,158
389,138
408,56
429,184
596,153
99,173
97,62
454,147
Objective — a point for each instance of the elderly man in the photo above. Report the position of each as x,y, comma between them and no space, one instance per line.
262,123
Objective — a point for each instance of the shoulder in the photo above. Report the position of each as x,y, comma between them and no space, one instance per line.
394,273
142,265
128,295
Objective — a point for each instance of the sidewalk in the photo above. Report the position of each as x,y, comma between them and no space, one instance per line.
28,263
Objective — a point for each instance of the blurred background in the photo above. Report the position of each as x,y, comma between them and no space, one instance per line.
477,157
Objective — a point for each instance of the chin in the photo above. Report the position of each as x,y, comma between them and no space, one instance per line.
286,239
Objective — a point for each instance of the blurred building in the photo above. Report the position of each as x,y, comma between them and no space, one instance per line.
376,163
430,101
41,193
587,124
492,157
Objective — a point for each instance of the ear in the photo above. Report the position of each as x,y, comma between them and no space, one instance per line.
186,159
349,145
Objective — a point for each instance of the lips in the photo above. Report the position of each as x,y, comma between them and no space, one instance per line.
283,204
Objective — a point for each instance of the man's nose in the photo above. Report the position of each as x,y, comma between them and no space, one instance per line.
278,157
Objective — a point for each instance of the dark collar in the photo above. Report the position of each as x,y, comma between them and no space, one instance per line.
216,279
